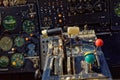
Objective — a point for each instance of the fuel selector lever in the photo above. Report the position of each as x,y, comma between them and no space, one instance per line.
98,43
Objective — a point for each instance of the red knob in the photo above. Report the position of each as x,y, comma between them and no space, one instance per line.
99,42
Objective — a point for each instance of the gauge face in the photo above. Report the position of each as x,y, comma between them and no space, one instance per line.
31,46
31,53
19,41
28,26
4,61
9,23
88,48
17,60
6,43
117,9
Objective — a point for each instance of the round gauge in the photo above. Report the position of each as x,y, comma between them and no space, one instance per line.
4,61
28,26
31,46
117,9
31,53
19,41
87,48
9,23
6,43
75,50
17,60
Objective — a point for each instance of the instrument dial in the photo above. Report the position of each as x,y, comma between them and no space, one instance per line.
17,60
31,46
9,23
28,26
19,41
117,9
4,61
31,53
6,43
